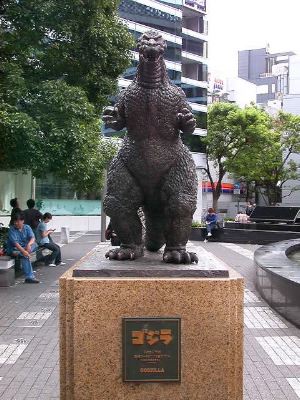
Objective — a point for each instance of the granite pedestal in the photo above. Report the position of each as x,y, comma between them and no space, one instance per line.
94,297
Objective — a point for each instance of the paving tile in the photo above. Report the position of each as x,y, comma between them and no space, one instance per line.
250,297
262,318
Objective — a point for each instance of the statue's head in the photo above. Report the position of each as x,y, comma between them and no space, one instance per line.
151,46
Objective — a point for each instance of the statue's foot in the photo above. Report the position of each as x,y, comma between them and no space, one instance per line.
180,257
125,253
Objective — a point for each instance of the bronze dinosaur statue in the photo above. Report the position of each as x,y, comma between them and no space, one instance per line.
153,169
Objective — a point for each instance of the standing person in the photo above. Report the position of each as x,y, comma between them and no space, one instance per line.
44,240
211,221
15,209
20,243
249,208
32,218
31,215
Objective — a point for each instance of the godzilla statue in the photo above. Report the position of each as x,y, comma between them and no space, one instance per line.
153,169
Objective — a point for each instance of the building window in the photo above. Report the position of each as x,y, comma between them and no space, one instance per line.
195,94
150,16
192,46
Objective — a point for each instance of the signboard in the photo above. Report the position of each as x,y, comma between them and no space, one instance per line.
151,349
236,188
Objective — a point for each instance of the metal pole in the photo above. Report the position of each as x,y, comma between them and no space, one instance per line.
33,183
103,215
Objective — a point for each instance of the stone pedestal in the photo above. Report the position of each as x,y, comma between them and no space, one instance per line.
92,308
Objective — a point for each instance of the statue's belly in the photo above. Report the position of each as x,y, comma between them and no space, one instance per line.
148,161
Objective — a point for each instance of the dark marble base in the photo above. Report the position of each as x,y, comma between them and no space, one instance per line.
151,265
278,278
266,226
242,233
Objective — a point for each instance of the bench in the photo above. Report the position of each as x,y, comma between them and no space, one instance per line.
7,271
278,214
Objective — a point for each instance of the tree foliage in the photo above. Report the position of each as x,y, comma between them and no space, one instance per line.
272,168
233,135
252,146
59,62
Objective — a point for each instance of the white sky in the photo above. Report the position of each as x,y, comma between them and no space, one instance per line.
250,24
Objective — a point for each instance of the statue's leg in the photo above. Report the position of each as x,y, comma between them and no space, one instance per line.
179,196
121,203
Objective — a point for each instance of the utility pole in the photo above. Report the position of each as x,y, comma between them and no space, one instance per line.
103,215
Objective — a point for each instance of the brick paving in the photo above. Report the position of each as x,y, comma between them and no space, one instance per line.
29,359
271,344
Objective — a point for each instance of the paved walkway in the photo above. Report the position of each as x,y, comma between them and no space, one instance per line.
29,366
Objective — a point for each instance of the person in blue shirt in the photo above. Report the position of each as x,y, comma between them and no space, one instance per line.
211,221
21,243
44,240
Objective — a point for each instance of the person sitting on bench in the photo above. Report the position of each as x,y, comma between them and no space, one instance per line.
211,221
44,240
20,243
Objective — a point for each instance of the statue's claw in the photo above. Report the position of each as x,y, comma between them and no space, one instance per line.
186,120
180,257
122,254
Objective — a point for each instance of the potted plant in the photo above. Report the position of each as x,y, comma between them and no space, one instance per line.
3,240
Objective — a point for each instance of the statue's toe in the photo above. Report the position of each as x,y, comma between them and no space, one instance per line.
121,254
179,257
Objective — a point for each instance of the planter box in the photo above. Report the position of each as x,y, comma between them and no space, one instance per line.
201,234
197,234
7,271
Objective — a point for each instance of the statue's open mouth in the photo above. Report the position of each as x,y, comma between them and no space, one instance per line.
152,58
151,55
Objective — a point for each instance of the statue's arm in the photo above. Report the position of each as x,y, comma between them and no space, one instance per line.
114,116
185,116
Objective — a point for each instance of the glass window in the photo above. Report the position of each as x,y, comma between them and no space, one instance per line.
195,94
150,16
50,188
192,46
195,24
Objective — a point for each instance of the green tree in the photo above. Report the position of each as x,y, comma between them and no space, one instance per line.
272,168
59,62
233,135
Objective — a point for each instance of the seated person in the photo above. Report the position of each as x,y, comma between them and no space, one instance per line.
241,218
44,240
20,243
211,221
249,208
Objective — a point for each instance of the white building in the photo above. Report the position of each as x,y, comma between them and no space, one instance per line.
241,92
291,104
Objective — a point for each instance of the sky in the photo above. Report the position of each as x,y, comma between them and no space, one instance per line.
250,24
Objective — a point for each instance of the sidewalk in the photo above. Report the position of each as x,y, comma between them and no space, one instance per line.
29,359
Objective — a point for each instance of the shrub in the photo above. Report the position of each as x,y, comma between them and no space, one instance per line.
3,237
